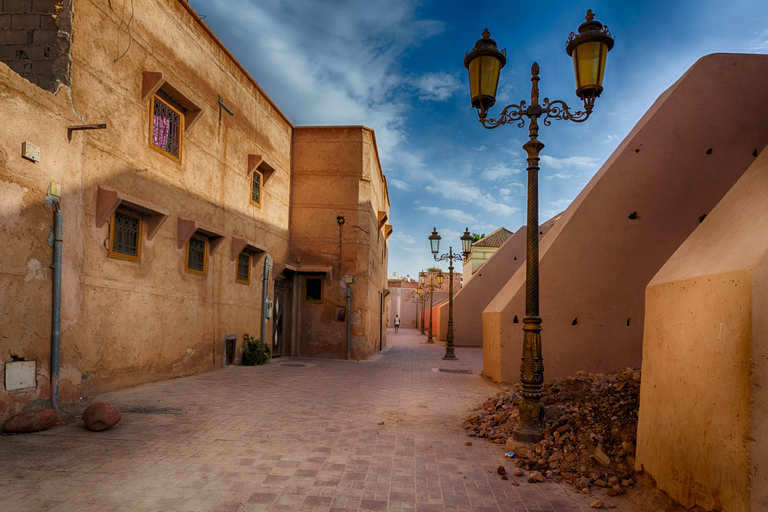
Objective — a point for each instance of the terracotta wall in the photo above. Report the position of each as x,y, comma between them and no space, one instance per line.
671,170
336,174
126,322
476,293
702,430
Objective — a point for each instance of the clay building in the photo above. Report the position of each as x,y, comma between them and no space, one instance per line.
482,250
192,210
660,183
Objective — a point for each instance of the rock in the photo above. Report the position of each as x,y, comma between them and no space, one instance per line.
504,477
618,489
519,472
501,470
381,423
468,443
101,416
582,483
601,457
535,477
557,456
515,484
613,481
596,504
601,483
33,420
611,492
626,483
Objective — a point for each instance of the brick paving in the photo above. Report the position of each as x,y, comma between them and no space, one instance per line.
297,434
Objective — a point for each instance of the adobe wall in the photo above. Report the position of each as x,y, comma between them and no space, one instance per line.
671,170
702,430
476,293
336,174
126,322
402,304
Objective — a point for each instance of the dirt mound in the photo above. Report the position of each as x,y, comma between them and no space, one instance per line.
590,429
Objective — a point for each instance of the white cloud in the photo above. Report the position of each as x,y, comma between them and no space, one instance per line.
559,175
398,184
562,204
436,86
458,191
402,238
581,162
760,43
610,138
339,62
481,148
448,213
499,171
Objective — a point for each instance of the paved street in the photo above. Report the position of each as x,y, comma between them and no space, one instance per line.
297,434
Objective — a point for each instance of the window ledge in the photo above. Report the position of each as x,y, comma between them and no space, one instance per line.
241,244
152,82
257,162
383,218
388,230
108,200
188,227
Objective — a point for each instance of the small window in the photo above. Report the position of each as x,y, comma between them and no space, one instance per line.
313,289
256,183
244,268
125,235
167,127
196,254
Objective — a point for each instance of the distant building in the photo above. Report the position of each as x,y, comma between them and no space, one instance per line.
484,249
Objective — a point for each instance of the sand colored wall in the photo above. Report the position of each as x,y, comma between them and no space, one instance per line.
126,322
476,293
401,297
673,167
440,320
702,433
335,174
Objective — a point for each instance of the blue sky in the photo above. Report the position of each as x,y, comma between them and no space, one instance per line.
397,66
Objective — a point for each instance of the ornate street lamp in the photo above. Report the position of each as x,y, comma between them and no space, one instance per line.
588,48
434,245
430,295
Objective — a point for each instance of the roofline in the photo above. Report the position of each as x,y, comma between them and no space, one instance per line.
375,147
216,40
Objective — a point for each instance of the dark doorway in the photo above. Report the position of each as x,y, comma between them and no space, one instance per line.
278,318
231,345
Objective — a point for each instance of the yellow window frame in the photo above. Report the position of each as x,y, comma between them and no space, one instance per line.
322,290
237,269
152,127
114,254
205,256
258,173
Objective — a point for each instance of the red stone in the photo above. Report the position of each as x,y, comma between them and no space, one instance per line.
33,420
101,416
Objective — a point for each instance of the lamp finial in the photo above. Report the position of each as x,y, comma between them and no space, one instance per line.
589,17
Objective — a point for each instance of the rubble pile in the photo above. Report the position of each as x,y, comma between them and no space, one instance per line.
590,430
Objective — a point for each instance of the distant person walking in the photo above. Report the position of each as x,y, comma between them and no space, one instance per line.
397,322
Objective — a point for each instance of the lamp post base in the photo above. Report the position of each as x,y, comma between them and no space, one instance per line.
450,356
527,436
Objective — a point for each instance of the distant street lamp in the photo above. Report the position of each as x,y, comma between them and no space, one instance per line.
466,245
589,49
430,294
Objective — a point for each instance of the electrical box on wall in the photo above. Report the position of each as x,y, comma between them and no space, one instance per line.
30,151
269,308
20,375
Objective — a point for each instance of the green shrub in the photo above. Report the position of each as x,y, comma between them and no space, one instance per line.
255,351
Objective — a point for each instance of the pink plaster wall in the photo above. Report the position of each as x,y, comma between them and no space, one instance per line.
702,431
680,159
474,296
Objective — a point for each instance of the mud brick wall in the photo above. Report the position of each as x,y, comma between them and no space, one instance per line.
35,39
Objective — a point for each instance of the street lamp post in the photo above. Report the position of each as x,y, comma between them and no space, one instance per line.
430,295
589,49
466,244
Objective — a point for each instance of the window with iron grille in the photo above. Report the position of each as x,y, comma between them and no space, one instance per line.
256,183
244,268
313,289
196,254
125,235
167,127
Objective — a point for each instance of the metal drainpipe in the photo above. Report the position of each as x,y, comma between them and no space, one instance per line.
349,323
265,289
56,313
